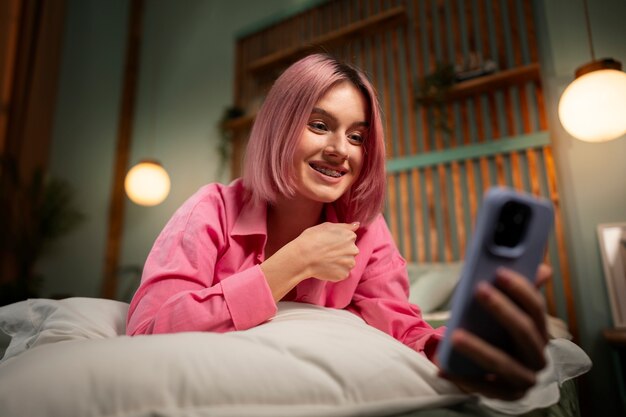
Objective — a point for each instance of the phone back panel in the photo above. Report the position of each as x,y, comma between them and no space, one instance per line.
482,259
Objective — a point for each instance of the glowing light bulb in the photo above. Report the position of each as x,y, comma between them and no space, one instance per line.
593,107
147,183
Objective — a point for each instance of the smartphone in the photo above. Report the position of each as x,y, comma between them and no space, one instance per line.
511,230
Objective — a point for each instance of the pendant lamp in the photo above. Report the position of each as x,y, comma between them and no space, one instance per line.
593,107
147,183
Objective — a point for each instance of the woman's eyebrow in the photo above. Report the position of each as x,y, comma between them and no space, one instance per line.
317,110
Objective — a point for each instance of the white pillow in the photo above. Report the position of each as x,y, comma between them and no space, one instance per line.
39,321
307,361
432,284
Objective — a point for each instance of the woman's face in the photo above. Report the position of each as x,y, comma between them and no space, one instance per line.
329,155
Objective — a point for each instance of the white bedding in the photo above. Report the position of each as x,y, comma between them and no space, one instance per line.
70,358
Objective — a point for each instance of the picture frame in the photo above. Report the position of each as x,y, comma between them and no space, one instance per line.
612,240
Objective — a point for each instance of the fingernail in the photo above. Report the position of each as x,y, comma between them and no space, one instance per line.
356,224
483,290
504,275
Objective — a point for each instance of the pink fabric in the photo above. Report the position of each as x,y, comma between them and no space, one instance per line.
203,274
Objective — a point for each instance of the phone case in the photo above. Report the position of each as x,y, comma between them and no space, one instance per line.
485,253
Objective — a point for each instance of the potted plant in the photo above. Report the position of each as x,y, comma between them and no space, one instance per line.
33,215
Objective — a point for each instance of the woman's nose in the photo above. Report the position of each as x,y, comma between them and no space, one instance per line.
337,147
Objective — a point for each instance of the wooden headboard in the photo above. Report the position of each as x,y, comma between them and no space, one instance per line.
442,154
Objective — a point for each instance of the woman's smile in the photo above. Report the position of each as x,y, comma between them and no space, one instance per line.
329,171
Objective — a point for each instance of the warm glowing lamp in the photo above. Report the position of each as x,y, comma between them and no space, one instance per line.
593,107
147,183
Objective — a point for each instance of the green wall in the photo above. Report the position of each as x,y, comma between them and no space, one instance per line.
185,82
84,134
187,62
592,176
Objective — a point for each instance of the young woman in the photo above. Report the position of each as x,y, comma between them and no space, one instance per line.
304,224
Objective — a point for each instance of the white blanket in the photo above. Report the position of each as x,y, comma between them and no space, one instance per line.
67,358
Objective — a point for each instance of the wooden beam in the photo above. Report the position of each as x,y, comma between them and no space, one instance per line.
504,145
124,138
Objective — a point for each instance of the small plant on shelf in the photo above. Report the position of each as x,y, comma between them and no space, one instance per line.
432,92
226,134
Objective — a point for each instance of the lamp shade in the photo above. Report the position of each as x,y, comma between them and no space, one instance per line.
147,183
593,107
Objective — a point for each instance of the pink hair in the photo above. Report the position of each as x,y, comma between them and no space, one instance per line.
268,165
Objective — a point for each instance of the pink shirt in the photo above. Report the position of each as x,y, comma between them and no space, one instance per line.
203,274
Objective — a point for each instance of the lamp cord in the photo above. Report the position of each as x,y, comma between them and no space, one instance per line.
593,55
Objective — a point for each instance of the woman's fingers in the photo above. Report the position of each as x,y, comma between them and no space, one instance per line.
526,336
518,306
501,366
527,297
544,274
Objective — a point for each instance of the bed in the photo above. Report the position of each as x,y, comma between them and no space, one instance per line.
70,358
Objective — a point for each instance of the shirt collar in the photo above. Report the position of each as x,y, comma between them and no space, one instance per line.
252,220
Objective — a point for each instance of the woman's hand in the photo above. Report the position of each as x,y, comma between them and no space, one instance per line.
519,307
330,249
326,251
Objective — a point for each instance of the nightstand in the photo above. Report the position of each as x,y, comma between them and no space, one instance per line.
617,339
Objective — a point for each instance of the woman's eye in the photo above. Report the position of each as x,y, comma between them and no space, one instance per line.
356,138
318,126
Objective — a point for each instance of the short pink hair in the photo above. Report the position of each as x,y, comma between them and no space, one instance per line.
268,166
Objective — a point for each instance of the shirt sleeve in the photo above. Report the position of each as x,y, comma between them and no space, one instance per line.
178,291
381,297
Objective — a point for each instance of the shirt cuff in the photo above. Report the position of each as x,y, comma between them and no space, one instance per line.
249,298
428,343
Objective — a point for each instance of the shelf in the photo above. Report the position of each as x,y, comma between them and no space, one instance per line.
370,25
240,123
615,337
494,81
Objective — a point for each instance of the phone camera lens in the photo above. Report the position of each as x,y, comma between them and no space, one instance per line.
512,222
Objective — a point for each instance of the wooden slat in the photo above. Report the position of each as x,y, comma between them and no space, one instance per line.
509,112
472,190
393,208
421,55
529,31
386,97
371,25
459,209
397,89
561,239
516,36
496,33
445,209
419,216
410,89
406,231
